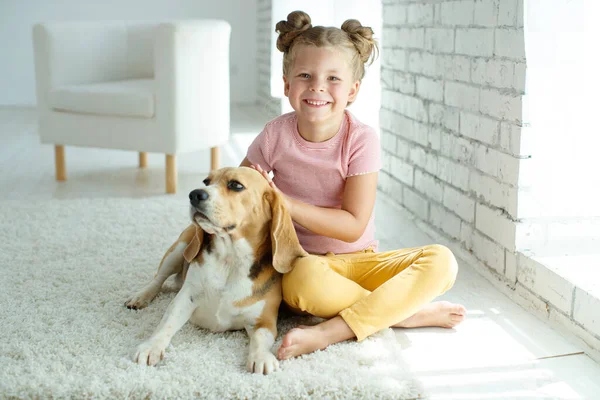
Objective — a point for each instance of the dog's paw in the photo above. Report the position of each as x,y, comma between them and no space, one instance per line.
138,302
262,362
149,353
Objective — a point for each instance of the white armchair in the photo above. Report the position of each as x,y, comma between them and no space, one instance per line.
140,86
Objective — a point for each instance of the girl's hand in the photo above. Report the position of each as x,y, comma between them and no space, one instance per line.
265,174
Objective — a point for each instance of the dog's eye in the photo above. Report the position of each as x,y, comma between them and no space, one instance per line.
235,186
206,182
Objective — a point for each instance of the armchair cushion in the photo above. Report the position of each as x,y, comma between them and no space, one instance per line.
126,98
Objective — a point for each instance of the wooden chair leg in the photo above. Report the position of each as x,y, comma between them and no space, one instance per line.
59,163
171,172
143,159
215,158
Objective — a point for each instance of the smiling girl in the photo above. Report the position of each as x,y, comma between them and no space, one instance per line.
325,162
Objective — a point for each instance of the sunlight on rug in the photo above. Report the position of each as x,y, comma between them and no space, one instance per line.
66,268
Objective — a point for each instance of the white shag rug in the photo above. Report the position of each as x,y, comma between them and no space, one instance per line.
66,268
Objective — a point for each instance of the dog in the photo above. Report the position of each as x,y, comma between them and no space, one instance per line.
228,263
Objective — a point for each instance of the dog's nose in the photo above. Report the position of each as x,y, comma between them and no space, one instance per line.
198,195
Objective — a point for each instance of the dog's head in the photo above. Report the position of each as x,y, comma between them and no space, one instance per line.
240,203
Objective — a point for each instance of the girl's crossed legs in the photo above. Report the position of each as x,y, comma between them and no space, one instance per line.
365,292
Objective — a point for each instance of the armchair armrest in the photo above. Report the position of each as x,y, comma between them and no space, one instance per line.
192,81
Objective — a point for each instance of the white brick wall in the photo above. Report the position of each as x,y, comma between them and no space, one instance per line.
585,310
453,75
546,283
271,106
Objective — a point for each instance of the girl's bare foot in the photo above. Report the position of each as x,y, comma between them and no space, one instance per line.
306,339
300,341
440,313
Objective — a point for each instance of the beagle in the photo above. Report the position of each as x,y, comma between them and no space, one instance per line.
229,263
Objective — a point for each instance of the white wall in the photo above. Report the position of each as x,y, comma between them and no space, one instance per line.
560,110
18,16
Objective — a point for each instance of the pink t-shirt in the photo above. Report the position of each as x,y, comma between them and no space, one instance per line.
316,173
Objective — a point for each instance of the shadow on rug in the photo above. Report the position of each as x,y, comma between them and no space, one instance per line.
66,268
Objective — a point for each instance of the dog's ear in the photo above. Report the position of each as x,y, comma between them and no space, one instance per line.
284,241
193,247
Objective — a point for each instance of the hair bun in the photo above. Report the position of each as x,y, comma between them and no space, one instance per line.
297,22
362,37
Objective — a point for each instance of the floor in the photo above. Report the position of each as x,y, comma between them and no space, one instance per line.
499,352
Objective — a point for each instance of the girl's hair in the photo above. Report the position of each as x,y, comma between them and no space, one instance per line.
297,30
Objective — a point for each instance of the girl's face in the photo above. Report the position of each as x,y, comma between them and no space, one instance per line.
319,84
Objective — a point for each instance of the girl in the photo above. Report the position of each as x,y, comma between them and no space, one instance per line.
325,163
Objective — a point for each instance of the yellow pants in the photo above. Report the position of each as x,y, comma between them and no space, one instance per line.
370,291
